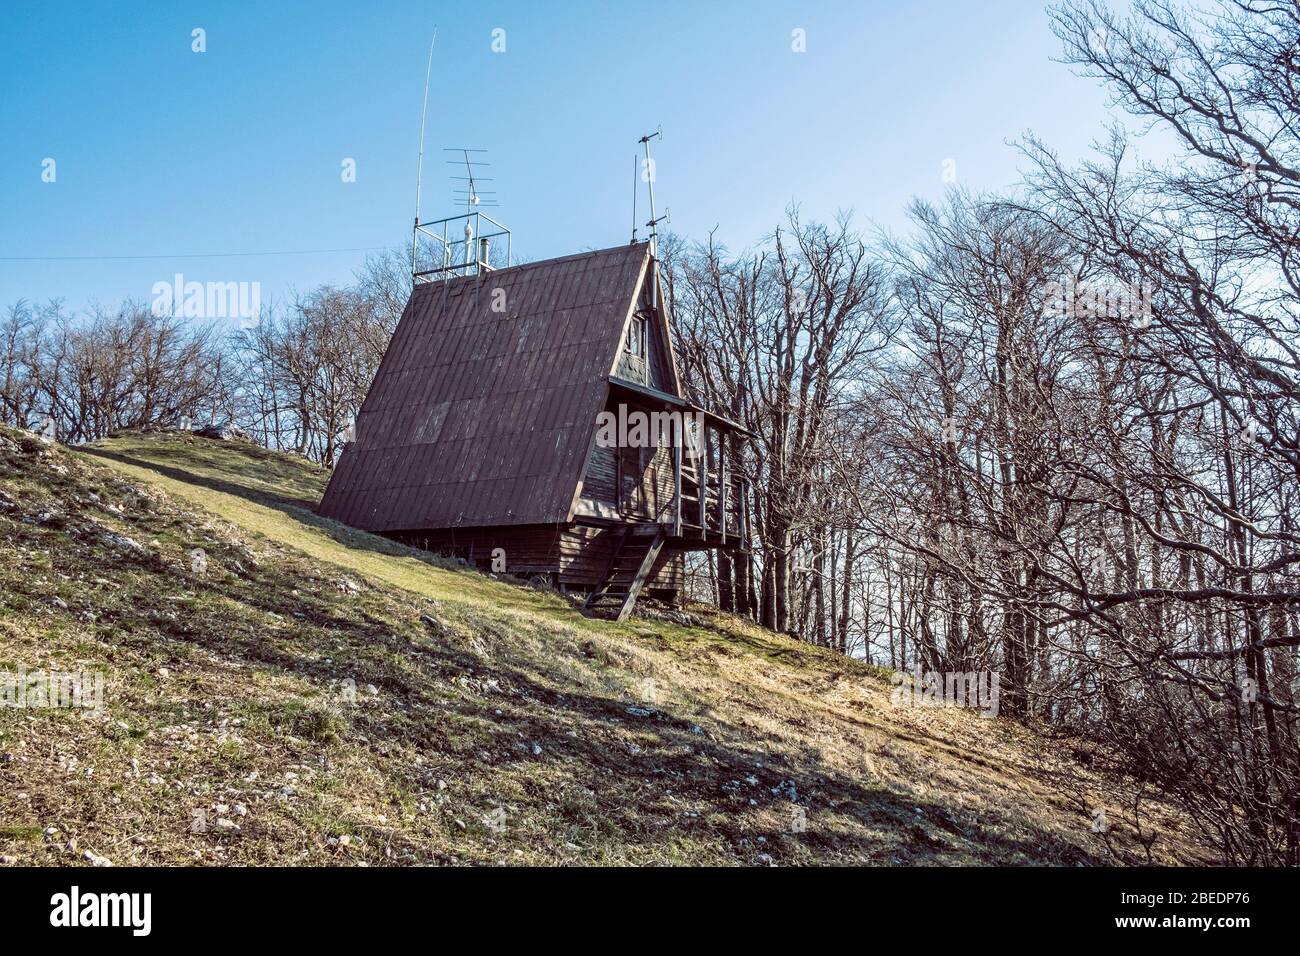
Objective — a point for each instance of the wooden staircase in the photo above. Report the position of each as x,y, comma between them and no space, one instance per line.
629,568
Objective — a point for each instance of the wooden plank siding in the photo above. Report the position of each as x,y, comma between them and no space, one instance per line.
601,480
576,556
638,483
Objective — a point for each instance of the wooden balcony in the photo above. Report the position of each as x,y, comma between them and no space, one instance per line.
709,507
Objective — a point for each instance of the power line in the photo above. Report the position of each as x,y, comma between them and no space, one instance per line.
192,255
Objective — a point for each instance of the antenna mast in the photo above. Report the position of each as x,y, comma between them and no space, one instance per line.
419,167
650,182
653,224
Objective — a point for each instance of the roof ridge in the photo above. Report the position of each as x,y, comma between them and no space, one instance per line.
573,256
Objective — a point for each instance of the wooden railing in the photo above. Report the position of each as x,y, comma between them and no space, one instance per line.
712,500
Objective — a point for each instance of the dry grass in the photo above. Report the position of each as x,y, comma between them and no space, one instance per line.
490,723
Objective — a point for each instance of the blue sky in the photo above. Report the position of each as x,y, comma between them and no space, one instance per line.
162,151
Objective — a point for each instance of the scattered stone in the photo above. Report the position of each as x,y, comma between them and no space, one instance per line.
223,432
787,789
122,543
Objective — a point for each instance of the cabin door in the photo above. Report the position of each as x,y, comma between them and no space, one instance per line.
633,482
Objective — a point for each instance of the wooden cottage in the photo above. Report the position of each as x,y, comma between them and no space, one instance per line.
502,427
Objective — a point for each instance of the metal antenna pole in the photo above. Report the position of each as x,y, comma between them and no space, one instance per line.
634,198
650,181
472,198
654,221
419,167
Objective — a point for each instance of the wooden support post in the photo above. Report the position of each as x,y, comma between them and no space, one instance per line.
679,440
642,573
723,486
745,530
704,478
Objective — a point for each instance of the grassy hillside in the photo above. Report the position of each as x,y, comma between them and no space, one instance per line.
305,693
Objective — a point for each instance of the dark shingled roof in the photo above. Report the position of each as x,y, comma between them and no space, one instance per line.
478,417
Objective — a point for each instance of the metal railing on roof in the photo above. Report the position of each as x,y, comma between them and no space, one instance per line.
452,250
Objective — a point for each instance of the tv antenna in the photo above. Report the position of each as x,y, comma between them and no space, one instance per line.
470,194
424,114
462,243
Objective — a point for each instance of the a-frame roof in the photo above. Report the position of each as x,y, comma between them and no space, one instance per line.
484,417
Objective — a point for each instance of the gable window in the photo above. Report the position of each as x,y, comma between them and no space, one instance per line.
636,337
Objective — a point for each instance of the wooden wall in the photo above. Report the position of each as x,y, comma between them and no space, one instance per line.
577,556
648,495
586,551
529,549
601,480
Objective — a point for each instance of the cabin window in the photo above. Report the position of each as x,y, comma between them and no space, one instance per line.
636,335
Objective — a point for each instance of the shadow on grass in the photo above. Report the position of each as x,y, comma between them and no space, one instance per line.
491,732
